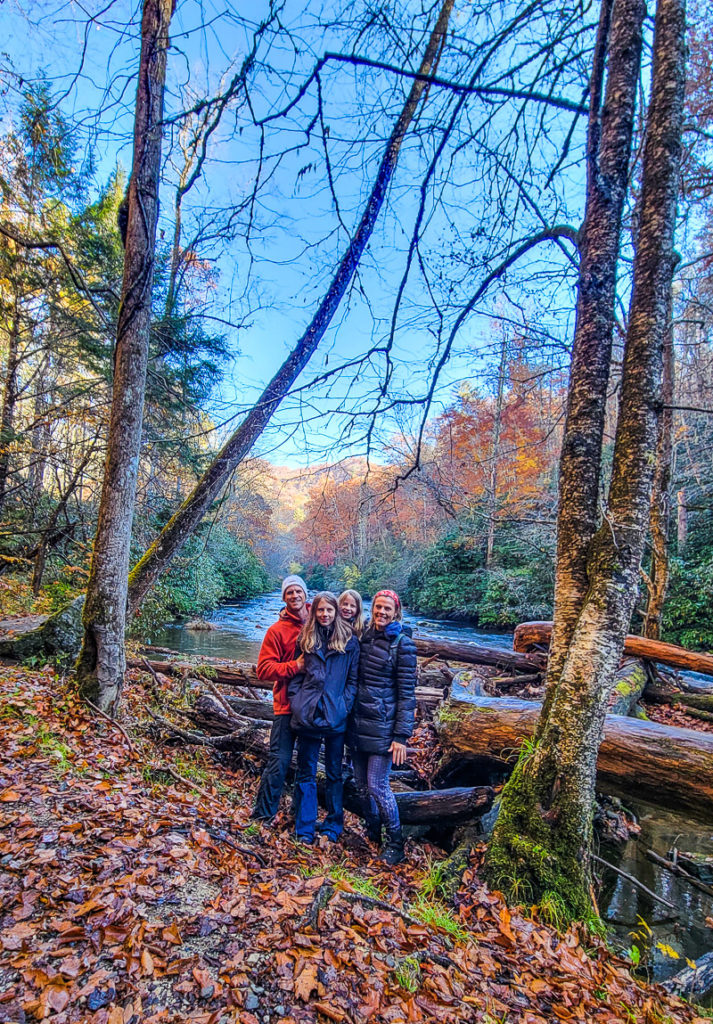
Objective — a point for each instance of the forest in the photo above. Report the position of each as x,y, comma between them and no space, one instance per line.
413,296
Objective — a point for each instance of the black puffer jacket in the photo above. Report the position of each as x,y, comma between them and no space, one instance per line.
386,697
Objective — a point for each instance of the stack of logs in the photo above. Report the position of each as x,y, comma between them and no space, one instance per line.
238,721
481,734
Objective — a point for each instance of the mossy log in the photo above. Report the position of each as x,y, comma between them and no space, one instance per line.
631,680
661,695
57,637
671,766
530,635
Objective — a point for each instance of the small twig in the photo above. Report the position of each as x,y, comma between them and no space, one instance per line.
311,917
151,669
187,782
220,698
370,901
428,661
223,837
636,882
112,721
676,869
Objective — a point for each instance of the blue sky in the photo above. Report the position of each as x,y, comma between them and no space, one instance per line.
272,282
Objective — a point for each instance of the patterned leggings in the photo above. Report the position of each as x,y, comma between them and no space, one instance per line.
371,777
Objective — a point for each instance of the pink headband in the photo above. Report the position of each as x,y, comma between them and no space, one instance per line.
388,593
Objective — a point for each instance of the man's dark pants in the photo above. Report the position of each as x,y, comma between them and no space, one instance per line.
272,781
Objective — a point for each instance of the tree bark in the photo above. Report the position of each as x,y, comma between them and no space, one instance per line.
681,521
545,826
528,633
181,525
669,766
608,151
657,583
9,400
101,663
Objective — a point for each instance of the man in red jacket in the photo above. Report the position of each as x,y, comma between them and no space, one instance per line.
277,663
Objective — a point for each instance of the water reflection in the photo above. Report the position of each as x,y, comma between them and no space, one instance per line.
625,907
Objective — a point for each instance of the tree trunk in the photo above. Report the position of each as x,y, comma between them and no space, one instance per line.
478,654
657,583
492,496
671,767
681,521
9,400
608,152
100,667
529,633
545,826
183,523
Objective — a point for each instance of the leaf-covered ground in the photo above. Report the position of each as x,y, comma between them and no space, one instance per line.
126,896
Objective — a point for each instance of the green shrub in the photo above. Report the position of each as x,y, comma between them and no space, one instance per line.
688,611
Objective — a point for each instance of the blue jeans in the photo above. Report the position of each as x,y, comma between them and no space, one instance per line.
272,780
308,747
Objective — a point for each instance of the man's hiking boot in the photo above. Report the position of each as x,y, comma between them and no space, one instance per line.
393,852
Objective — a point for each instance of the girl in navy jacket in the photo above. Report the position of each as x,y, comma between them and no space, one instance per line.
321,699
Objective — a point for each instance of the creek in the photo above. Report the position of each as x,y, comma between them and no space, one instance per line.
628,910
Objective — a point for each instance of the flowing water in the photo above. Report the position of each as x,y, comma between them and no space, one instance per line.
239,633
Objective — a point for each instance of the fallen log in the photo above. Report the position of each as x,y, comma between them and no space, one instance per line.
661,695
444,807
242,674
668,765
536,634
236,673
477,654
692,982
631,680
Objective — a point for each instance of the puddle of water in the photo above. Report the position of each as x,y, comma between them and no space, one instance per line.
625,907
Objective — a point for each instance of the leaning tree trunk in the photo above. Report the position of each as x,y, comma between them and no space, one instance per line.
183,523
100,667
543,834
608,152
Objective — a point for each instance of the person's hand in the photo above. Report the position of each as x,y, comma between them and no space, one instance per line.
300,663
398,752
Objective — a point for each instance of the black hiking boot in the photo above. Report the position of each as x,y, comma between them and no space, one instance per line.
393,852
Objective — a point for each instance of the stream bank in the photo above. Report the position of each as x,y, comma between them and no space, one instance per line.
624,907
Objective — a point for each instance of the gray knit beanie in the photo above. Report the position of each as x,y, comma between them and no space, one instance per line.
294,581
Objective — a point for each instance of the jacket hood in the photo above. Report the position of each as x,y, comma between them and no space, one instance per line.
287,614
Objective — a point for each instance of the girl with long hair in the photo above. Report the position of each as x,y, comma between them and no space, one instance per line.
321,699
383,718
351,609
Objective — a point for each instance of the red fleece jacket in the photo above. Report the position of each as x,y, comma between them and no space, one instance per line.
276,660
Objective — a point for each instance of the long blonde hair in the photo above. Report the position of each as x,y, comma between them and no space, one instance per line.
358,623
340,636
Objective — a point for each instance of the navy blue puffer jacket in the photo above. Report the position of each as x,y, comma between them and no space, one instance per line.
322,696
386,698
